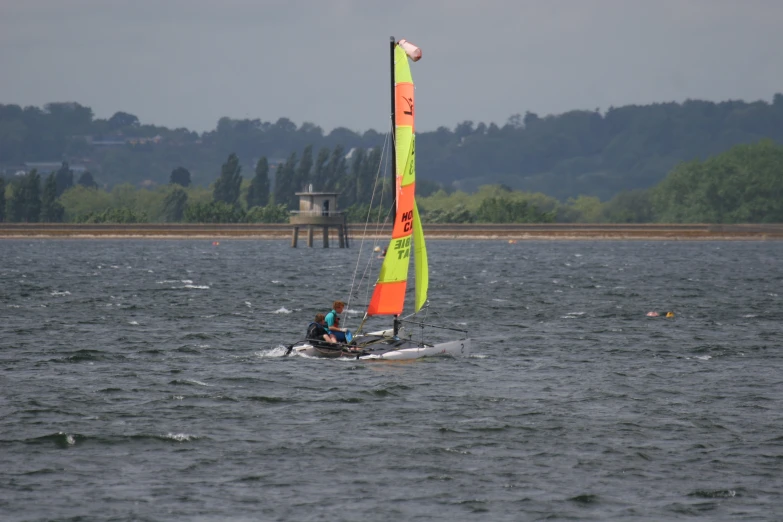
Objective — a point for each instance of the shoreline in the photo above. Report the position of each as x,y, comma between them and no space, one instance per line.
489,232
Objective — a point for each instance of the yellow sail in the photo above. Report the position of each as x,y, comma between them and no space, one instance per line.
389,294
420,260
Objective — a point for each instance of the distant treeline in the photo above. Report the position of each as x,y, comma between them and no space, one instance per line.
742,185
577,153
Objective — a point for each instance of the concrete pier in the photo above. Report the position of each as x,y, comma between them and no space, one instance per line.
318,209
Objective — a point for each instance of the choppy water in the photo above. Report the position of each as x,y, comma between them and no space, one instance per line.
143,380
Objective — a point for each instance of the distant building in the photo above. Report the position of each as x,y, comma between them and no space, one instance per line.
318,209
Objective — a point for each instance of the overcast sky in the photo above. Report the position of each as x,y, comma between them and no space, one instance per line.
186,63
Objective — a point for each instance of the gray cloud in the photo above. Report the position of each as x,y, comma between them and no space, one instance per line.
186,63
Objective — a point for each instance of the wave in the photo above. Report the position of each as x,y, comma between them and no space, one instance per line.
713,493
189,382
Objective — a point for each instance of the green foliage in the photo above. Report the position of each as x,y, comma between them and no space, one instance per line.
506,210
121,120
180,176
52,210
268,214
333,175
25,202
302,176
174,205
363,213
214,212
285,182
364,182
742,185
228,185
580,157
161,204
150,202
320,168
584,209
86,180
121,215
426,188
632,206
457,214
2,199
488,204
81,201
575,153
258,191
125,195
64,178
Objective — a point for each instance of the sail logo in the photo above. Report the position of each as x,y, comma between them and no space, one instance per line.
402,247
407,220
409,101
404,105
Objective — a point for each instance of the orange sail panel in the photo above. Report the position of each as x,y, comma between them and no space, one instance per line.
389,295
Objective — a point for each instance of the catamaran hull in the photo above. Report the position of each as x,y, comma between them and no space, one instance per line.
459,348
407,351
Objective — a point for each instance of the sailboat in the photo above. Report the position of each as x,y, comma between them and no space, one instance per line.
407,240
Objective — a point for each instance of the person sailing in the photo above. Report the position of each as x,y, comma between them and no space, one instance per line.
343,335
317,333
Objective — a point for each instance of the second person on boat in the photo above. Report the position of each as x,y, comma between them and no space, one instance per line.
343,335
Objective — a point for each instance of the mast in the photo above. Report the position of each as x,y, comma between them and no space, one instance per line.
392,45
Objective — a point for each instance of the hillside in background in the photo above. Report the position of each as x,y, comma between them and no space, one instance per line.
576,153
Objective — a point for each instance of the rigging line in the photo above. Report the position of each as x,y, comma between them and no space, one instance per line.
379,225
364,233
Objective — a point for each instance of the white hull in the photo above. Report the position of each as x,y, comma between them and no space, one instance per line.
459,348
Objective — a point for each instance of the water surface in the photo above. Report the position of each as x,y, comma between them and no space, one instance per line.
144,380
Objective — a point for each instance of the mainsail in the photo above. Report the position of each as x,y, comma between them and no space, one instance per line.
389,295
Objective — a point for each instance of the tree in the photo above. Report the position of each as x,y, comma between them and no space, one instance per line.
285,182
114,215
2,200
320,168
122,119
228,184
81,201
584,209
25,204
86,180
303,169
16,203
506,210
268,214
633,206
68,117
742,185
373,179
335,172
52,211
63,178
214,212
174,205
180,176
258,192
